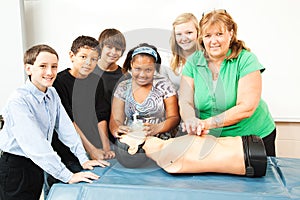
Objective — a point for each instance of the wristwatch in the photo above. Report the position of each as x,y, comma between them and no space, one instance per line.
218,121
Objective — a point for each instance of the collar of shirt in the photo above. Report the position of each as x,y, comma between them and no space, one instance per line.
39,95
202,61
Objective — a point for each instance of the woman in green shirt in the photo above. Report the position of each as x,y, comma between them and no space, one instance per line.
221,86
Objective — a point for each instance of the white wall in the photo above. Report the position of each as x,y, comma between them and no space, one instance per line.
12,47
271,28
288,139
59,22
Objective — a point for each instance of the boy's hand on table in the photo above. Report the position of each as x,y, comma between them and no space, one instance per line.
83,176
90,164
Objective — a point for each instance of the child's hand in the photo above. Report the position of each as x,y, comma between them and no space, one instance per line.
97,154
83,176
121,130
90,164
109,154
151,129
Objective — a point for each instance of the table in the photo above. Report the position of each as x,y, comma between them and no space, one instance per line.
282,181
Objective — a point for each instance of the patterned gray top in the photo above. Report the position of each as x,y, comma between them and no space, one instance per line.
152,109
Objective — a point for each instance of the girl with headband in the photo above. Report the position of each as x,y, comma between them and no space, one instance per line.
146,95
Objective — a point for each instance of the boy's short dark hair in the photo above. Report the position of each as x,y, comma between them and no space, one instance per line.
31,54
85,42
112,37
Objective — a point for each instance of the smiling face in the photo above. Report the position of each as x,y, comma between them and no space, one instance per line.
143,69
216,40
84,62
110,54
43,71
186,35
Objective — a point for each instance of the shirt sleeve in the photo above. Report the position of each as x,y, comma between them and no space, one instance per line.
33,141
121,90
167,88
102,106
188,69
68,135
248,63
61,88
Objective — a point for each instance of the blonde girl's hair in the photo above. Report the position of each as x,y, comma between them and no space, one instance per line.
177,51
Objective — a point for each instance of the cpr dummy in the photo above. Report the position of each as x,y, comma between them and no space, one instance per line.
135,137
199,154
185,154
128,149
195,154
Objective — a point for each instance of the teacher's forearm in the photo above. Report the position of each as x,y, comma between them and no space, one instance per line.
187,110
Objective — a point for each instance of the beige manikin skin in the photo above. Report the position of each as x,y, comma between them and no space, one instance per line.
191,153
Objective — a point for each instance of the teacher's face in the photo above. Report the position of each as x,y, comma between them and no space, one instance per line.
216,41
143,69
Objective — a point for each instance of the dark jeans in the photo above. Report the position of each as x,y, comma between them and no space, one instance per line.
269,142
20,178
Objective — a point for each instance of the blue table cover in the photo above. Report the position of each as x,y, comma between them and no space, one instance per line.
282,181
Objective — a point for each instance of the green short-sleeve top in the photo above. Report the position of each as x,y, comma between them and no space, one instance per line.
210,100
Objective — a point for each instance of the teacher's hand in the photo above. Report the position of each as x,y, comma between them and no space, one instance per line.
194,126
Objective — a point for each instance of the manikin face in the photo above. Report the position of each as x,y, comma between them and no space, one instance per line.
110,54
84,62
43,71
186,35
143,69
216,41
